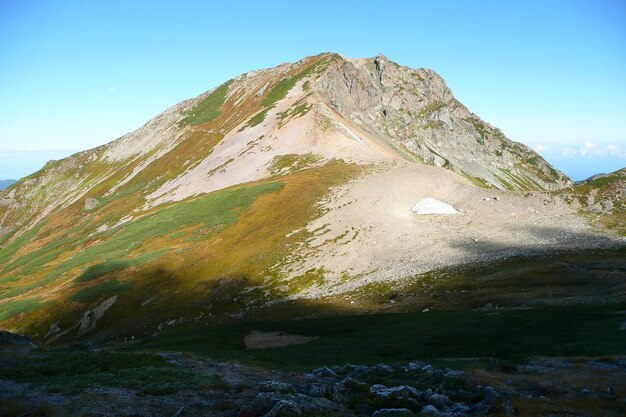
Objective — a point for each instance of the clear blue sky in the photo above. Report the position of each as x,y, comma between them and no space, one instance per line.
76,74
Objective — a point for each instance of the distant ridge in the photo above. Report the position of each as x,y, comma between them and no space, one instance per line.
6,183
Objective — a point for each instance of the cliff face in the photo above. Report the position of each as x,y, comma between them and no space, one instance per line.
416,113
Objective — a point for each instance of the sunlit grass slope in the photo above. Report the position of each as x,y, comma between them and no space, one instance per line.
187,259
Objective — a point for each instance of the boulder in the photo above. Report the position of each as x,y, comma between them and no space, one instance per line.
284,408
319,390
415,366
347,388
393,412
481,409
508,408
428,369
263,403
450,373
323,373
383,368
91,203
317,406
491,395
439,400
401,391
430,409
276,386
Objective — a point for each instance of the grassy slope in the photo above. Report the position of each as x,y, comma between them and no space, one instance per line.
511,334
205,249
280,90
42,264
209,108
113,250
569,304
70,372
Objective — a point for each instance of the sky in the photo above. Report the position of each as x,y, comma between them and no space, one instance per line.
77,74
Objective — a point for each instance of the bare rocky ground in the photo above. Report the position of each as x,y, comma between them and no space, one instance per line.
368,232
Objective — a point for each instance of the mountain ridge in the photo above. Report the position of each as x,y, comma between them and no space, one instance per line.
285,183
160,136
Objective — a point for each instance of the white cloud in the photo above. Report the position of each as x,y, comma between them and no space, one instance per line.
594,149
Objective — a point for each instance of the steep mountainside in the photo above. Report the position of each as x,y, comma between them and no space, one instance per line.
416,113
603,198
289,182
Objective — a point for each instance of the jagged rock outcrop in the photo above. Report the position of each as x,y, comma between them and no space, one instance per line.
417,114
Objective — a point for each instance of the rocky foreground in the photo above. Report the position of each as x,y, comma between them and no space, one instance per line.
34,383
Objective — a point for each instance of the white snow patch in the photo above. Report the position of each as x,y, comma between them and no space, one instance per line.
431,205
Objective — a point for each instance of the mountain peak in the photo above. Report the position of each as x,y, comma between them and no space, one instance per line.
291,181
359,110
381,58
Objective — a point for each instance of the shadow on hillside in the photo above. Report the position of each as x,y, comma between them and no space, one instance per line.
538,240
162,299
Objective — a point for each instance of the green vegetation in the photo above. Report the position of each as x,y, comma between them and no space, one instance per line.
280,90
96,271
290,163
567,278
72,372
507,185
33,261
430,108
209,108
603,181
214,212
129,189
7,252
479,182
103,268
603,200
517,182
298,109
101,290
566,304
480,127
311,277
12,308
510,334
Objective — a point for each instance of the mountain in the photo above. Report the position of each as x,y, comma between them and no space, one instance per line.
288,183
6,183
603,198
